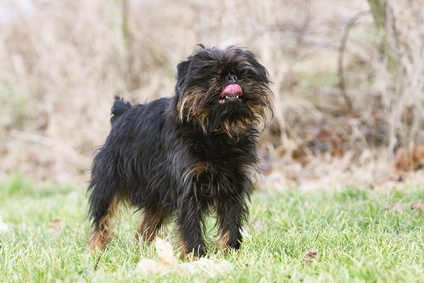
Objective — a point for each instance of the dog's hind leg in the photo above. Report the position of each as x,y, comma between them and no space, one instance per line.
103,225
103,219
106,193
153,218
105,187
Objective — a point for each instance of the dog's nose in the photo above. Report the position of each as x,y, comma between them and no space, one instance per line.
232,79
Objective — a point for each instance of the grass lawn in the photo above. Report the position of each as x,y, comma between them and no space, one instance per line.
358,235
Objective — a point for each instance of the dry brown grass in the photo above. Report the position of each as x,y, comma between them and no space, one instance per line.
62,62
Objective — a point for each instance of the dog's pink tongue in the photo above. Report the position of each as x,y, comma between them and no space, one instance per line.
232,90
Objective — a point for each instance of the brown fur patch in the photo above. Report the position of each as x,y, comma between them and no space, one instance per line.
224,239
247,169
182,248
196,171
101,235
191,107
152,221
236,129
186,106
184,254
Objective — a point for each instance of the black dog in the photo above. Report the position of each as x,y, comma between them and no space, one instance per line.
187,155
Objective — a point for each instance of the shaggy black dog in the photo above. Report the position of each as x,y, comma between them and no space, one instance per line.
186,155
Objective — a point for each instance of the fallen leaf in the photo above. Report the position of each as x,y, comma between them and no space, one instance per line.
409,158
310,256
165,252
300,155
418,206
396,206
150,266
166,262
207,267
55,226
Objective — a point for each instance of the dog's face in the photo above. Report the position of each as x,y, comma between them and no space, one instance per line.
223,91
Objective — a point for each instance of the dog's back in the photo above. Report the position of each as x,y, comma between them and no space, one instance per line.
119,107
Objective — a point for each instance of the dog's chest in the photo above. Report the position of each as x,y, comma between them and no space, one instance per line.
219,172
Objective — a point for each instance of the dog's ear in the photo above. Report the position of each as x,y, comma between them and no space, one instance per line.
182,70
256,67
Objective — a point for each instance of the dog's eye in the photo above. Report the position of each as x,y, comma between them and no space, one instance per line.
213,79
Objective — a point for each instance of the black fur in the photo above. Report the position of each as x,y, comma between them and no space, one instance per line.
187,155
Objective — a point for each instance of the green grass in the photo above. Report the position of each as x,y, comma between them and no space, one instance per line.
357,239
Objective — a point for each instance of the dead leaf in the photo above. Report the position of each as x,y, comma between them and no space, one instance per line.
418,206
150,266
402,162
411,158
396,206
207,267
55,226
300,154
310,256
165,252
418,155
167,262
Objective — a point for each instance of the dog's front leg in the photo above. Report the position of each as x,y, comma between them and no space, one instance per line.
191,226
231,215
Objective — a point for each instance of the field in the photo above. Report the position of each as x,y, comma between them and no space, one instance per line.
346,235
340,197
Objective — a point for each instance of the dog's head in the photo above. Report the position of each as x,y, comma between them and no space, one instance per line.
223,91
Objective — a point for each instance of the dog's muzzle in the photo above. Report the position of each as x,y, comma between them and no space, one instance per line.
231,92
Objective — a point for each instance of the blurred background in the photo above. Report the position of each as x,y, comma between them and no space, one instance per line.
347,78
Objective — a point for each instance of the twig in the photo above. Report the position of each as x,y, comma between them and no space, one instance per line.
97,262
300,36
342,48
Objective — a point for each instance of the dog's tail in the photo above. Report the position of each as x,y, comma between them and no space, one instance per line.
119,107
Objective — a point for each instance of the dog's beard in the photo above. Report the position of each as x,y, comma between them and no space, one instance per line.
234,116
